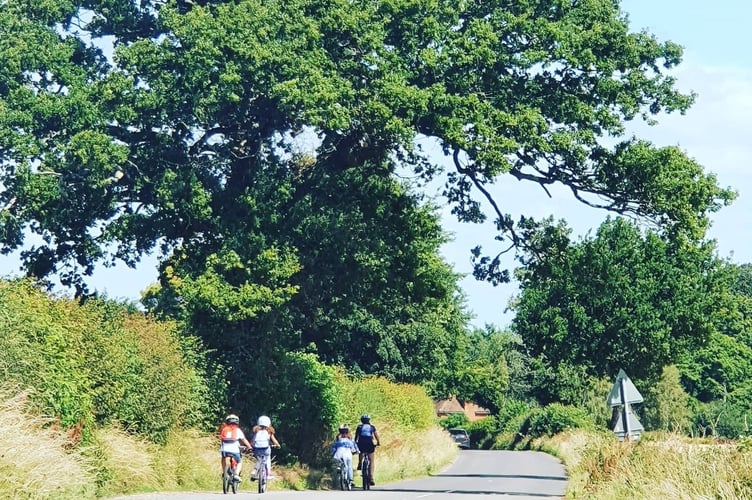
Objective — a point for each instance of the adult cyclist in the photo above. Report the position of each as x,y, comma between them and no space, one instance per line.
367,440
231,436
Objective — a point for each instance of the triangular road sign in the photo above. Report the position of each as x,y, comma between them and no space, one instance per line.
634,426
623,392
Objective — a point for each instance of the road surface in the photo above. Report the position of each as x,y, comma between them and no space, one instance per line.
476,474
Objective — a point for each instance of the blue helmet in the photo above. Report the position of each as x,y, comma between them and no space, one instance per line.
365,418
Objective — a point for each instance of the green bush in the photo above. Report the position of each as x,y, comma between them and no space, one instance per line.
483,433
99,363
40,349
308,403
512,414
555,418
406,406
454,420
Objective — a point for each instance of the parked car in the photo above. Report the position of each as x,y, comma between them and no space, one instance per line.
461,437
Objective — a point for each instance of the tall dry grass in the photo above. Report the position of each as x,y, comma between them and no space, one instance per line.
188,461
412,454
37,461
658,466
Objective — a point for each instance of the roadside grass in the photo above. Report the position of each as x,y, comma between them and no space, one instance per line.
188,461
660,465
37,459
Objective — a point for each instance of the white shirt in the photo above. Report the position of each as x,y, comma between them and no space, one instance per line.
233,446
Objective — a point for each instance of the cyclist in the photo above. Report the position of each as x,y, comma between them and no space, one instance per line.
367,440
343,449
231,436
263,440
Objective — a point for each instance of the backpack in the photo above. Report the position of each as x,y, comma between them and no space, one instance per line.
261,439
229,433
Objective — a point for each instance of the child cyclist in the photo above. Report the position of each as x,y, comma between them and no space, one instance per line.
263,440
231,436
343,449
367,440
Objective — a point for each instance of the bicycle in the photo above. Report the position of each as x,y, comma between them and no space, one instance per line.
228,475
344,482
366,471
260,469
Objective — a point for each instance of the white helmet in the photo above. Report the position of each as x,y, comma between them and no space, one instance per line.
264,421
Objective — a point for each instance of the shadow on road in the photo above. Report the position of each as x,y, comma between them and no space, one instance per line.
508,476
470,492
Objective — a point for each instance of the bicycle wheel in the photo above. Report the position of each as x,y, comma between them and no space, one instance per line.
343,482
261,471
226,479
366,473
233,483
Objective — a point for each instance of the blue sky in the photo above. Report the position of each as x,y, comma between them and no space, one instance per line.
715,132
717,65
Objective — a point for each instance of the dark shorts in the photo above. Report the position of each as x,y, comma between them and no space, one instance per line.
365,445
236,456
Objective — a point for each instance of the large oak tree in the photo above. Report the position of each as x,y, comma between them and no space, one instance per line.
177,126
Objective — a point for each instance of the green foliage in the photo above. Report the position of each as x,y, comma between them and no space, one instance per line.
619,299
482,374
98,363
666,406
306,400
483,433
555,418
41,347
730,417
454,420
406,406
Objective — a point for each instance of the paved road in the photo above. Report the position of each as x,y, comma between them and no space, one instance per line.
476,474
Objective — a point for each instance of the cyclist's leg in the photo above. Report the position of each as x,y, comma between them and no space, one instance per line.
224,459
348,467
256,458
239,467
268,458
236,458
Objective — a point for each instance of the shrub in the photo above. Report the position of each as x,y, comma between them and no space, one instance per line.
99,363
667,404
454,420
310,408
483,432
555,418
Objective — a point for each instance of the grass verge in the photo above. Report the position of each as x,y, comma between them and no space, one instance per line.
660,465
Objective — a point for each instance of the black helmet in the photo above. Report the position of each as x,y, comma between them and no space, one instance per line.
344,429
365,418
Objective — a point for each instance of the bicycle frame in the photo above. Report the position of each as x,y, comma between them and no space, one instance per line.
344,481
366,471
229,470
261,470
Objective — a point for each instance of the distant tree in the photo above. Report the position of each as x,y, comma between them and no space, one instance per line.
667,404
619,299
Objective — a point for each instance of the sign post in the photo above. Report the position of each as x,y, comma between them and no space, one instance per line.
624,393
